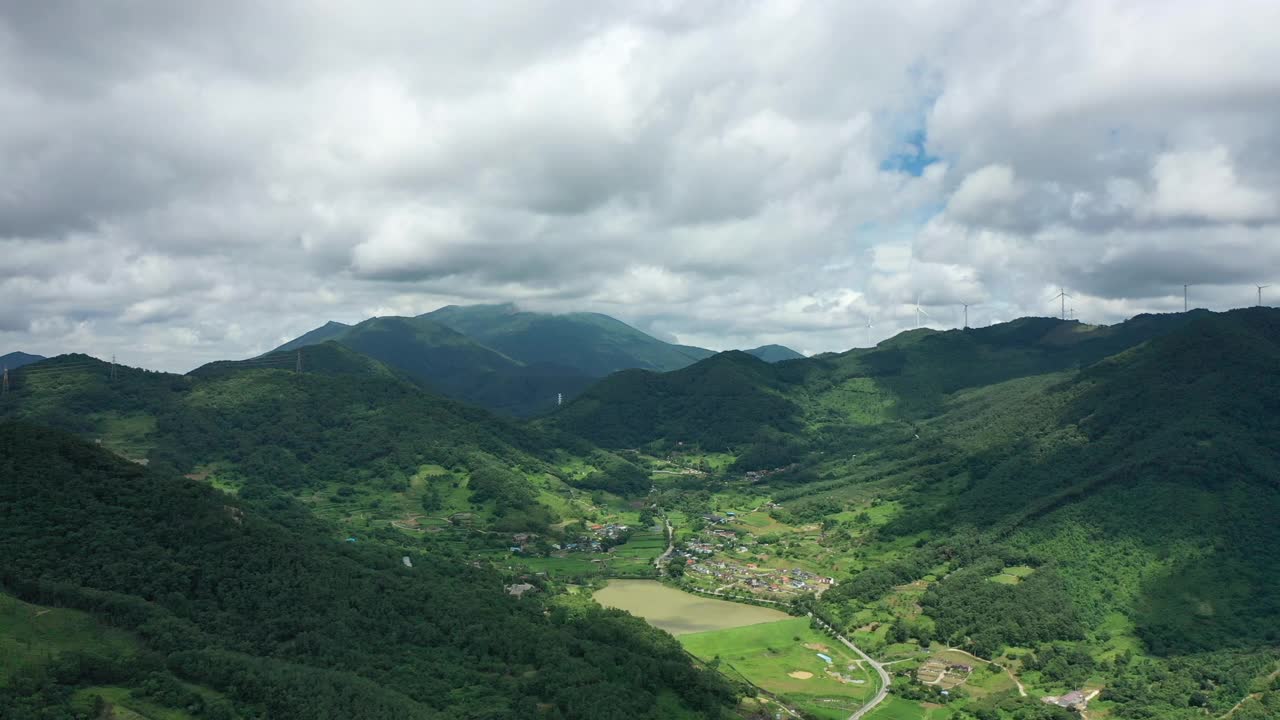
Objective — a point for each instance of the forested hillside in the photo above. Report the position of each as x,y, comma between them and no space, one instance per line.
281,621
1086,505
732,397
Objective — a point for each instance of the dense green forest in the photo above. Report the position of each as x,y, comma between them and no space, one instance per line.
345,418
288,623
1132,470
1088,505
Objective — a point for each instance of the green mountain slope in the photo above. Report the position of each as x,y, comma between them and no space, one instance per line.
448,362
774,353
726,400
344,418
325,358
1093,507
832,397
496,357
288,622
329,331
592,343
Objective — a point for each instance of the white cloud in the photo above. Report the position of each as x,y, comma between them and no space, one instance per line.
986,195
1202,185
184,183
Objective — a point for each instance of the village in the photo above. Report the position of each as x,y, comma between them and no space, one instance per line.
709,565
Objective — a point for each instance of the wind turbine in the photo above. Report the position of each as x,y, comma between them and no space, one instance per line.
966,315
1062,293
919,311
1184,296
869,331
1260,289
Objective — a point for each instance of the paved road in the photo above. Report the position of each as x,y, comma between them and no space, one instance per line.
884,676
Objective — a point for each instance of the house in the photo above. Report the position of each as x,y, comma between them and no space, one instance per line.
1075,700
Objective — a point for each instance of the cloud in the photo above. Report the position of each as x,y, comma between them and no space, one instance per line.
184,183
985,195
1202,185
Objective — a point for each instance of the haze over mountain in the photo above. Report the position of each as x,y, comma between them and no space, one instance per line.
18,359
774,353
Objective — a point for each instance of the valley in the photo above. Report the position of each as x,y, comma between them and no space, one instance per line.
1034,520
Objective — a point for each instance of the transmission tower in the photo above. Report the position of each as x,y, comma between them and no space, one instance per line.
298,367
4,384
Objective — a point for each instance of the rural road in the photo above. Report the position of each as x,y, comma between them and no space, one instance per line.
671,545
884,676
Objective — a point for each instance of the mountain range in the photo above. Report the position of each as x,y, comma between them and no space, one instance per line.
1125,475
507,360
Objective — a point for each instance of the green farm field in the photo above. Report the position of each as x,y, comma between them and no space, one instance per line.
782,657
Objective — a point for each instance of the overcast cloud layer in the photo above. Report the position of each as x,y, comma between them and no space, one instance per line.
198,180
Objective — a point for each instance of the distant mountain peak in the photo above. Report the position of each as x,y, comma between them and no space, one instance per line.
775,353
17,359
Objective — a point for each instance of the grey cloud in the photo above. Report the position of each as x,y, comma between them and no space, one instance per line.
190,181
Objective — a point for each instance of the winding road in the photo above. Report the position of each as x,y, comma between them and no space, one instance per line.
884,675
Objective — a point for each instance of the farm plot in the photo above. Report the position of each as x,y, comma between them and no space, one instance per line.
790,659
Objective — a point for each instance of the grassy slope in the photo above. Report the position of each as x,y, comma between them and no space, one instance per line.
34,635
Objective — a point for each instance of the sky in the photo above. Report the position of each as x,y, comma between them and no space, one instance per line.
183,182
